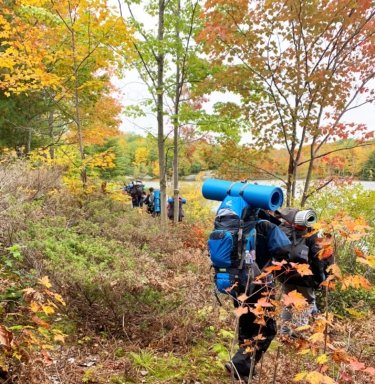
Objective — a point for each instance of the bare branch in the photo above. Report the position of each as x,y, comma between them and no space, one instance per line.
335,150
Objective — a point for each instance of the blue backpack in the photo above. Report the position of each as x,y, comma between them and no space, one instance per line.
156,201
231,241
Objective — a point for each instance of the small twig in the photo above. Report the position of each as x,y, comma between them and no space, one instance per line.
123,327
261,368
252,364
348,343
276,363
326,325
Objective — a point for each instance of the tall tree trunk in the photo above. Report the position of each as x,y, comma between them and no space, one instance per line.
176,191
160,115
50,132
309,174
28,141
290,186
77,116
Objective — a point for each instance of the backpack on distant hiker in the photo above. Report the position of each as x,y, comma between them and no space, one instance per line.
136,190
231,241
156,208
170,208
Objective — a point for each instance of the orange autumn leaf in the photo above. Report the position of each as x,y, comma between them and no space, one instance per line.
259,337
242,297
260,277
46,357
335,270
358,252
329,284
296,299
340,356
59,338
34,306
230,289
302,269
325,253
369,261
311,233
314,377
249,350
260,321
264,302
272,268
280,263
5,337
257,310
241,311
324,241
40,322
355,281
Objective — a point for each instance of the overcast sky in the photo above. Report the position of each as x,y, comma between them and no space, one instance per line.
133,91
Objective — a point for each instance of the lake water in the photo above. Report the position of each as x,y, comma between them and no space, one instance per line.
367,185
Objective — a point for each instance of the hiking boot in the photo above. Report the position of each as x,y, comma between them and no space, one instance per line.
230,369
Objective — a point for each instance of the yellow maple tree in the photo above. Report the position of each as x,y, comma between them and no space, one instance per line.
25,58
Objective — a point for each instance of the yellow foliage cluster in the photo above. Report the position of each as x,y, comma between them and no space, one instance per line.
24,57
101,160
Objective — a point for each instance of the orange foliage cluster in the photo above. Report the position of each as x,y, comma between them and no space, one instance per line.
27,340
197,238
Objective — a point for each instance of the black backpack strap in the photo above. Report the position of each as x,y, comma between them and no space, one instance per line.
240,254
294,237
217,297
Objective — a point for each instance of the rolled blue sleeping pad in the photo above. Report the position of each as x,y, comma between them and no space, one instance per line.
258,196
157,201
171,200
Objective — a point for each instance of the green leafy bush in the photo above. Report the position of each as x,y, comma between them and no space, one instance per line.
355,204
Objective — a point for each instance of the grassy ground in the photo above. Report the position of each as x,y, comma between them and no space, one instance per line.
140,305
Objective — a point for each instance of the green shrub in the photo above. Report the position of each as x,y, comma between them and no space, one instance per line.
356,203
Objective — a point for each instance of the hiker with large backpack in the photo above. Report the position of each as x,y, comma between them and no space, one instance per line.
297,225
240,246
170,208
150,201
136,189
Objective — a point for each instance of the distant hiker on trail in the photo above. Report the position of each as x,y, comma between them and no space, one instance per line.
149,201
240,246
296,224
170,208
143,199
135,189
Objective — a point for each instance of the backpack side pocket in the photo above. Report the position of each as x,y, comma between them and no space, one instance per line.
220,247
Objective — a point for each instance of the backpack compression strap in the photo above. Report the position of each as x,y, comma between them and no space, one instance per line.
242,255
240,243
230,187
